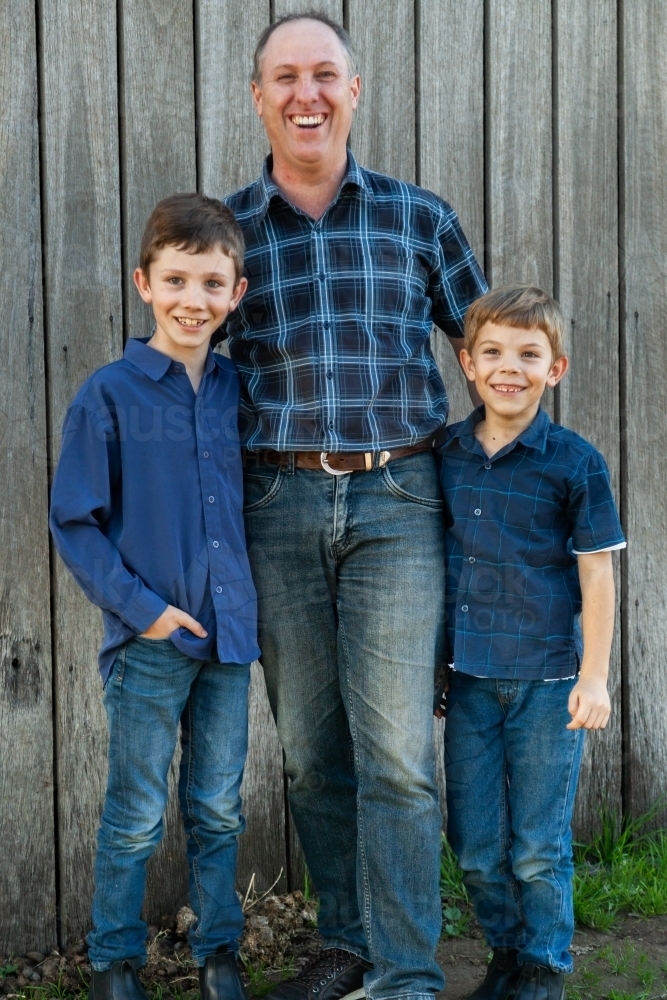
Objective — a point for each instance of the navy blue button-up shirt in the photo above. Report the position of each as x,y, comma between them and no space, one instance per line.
331,340
516,523
146,506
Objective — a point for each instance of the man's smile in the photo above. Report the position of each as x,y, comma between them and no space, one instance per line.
308,121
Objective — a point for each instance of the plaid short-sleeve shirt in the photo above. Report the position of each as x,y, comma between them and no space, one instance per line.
331,340
515,525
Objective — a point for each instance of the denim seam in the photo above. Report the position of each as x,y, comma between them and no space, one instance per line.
360,826
196,874
566,799
394,488
505,867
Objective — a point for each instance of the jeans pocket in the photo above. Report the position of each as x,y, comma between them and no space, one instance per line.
261,486
415,479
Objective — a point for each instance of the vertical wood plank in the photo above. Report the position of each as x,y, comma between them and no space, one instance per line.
587,287
157,124
232,147
519,176
158,152
232,143
332,8
83,311
450,113
27,848
644,359
383,134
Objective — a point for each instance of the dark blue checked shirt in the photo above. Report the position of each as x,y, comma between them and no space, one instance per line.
331,341
515,524
146,507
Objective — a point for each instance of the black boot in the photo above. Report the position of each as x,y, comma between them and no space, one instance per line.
538,982
219,977
120,982
501,977
334,975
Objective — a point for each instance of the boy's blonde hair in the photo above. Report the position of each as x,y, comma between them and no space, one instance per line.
524,306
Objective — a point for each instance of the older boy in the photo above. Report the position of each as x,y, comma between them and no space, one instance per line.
146,513
531,527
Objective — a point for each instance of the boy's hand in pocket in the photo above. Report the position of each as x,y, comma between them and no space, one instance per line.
171,619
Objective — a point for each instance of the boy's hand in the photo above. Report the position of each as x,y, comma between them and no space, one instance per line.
589,704
171,619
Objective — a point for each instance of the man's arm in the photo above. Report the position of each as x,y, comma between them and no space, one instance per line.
589,703
457,347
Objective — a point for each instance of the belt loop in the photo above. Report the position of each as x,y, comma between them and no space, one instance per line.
290,463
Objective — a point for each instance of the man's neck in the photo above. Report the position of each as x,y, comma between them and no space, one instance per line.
311,188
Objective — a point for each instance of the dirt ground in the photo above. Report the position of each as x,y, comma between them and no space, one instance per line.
627,962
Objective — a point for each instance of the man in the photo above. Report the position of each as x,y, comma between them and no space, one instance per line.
347,270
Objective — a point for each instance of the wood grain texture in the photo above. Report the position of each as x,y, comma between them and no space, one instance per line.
587,286
158,145
27,847
519,176
383,133
644,359
232,143
84,323
450,112
262,851
332,8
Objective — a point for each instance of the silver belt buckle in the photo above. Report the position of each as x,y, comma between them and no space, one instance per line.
327,468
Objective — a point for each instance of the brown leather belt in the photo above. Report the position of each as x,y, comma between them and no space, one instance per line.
338,463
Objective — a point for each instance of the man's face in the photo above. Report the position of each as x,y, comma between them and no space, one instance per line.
306,98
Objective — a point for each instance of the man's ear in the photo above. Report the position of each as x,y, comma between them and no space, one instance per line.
141,281
557,371
256,92
355,86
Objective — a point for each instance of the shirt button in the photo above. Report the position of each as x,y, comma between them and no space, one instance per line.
205,454
178,369
331,425
329,374
326,325
211,499
464,608
216,545
488,465
477,512
321,276
471,559
218,590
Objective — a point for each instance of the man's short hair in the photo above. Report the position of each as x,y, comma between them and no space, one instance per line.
194,223
521,306
308,15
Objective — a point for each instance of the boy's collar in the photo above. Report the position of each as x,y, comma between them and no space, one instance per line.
154,363
267,188
533,436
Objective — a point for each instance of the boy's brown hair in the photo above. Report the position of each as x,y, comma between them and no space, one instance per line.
521,306
194,223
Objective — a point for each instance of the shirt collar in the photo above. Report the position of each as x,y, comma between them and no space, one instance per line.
154,363
533,436
267,189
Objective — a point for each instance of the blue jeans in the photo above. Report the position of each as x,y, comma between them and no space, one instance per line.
350,577
151,687
512,770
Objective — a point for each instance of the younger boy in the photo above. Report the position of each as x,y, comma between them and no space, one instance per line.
531,527
146,513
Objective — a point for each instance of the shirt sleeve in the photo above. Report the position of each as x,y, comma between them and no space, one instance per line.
595,523
81,504
457,279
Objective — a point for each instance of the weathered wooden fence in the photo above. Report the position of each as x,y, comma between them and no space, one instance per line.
544,122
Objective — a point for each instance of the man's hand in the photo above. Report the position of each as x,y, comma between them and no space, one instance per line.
589,704
171,619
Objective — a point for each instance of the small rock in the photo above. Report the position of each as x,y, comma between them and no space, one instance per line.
22,981
50,970
185,918
80,959
35,976
26,971
36,956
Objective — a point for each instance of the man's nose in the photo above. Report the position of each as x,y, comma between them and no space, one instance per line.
306,90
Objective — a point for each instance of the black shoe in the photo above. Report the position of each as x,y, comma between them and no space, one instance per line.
537,982
501,977
120,982
334,975
219,977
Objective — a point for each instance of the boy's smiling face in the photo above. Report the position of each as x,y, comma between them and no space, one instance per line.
511,367
191,295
